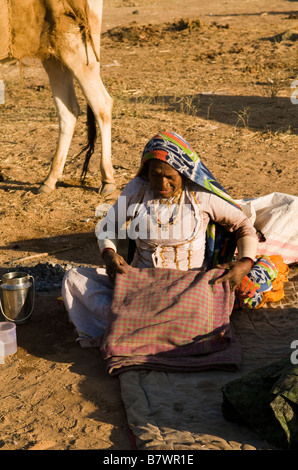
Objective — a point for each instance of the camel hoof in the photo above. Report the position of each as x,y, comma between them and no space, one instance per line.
44,189
107,188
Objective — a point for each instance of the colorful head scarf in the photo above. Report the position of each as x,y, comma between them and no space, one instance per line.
177,152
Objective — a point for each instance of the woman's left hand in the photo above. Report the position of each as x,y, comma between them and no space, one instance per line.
235,272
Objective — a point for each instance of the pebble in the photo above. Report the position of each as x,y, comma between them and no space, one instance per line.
47,276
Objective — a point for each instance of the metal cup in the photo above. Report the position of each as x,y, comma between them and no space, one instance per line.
18,293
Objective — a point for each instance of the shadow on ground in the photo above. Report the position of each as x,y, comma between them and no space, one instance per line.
275,114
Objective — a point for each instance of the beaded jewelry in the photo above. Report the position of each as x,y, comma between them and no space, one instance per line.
173,201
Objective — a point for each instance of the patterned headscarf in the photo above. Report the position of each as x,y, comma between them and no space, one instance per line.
178,153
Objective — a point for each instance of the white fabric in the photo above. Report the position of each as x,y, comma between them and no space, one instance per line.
276,217
87,296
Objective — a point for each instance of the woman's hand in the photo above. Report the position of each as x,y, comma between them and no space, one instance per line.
234,273
115,264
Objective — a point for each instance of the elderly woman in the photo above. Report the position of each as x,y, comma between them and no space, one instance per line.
178,217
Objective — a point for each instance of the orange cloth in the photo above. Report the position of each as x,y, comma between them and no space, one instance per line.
277,292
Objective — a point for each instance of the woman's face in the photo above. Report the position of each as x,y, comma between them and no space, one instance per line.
165,180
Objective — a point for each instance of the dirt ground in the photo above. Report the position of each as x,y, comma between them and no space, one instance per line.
217,72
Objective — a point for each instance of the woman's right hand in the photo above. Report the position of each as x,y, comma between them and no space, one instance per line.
115,264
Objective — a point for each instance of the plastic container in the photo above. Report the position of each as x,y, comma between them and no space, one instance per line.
8,339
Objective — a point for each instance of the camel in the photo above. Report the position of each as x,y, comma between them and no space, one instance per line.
65,36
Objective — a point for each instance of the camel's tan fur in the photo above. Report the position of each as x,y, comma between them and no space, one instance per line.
65,36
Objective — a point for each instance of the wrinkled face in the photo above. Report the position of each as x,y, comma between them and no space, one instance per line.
165,180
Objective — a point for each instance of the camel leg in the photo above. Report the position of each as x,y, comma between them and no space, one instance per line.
61,82
88,76
101,104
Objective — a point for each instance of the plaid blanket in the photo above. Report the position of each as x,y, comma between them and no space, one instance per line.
170,320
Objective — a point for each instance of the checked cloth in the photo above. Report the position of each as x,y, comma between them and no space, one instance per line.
170,320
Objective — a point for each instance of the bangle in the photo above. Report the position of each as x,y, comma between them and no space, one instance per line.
250,259
106,249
